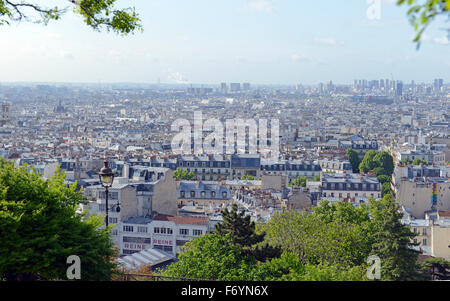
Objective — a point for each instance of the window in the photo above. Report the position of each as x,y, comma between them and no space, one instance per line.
197,232
184,231
192,194
128,229
156,230
164,248
142,229
182,193
137,240
181,243
424,242
113,220
129,252
224,194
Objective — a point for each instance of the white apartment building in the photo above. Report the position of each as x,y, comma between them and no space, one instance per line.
164,232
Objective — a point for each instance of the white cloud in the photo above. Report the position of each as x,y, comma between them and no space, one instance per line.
297,57
328,41
439,40
259,5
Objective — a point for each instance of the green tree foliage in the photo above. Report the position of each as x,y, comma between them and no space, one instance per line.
423,13
340,234
181,174
248,177
393,242
239,226
289,268
386,188
97,14
385,162
214,257
39,229
381,163
419,162
324,237
436,269
211,257
368,162
354,160
330,244
244,235
299,182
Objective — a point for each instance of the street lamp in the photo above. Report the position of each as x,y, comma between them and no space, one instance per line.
106,179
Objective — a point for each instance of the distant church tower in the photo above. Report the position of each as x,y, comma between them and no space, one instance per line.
5,113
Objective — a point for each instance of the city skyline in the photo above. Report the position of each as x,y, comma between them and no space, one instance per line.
280,42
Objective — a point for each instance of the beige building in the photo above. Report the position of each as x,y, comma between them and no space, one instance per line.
433,233
417,195
275,182
440,235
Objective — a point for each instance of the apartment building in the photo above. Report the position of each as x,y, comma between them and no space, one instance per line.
162,232
350,187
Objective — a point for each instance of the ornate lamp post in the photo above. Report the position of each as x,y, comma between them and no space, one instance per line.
106,179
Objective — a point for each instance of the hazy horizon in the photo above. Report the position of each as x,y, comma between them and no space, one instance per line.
263,42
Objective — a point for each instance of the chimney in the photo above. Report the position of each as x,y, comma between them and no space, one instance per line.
126,170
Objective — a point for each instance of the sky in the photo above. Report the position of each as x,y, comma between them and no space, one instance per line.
214,41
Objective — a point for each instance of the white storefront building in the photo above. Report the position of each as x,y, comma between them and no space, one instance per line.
163,232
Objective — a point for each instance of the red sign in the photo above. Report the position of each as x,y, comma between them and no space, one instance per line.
133,246
162,242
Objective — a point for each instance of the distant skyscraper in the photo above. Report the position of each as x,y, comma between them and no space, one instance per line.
399,89
235,87
223,88
5,113
321,88
330,87
246,86
438,83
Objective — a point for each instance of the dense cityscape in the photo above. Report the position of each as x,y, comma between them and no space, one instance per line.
77,127
224,148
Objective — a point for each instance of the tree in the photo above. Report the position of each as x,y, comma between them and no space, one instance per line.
289,268
419,162
211,257
384,161
368,162
181,174
392,242
386,189
332,234
436,269
299,182
243,234
248,177
384,179
422,14
97,14
354,160
40,229
381,163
